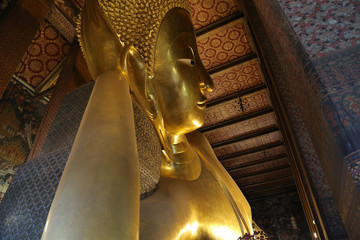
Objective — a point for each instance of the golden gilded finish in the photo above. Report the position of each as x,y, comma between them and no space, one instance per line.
196,198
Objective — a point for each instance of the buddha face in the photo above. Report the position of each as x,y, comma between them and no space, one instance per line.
180,79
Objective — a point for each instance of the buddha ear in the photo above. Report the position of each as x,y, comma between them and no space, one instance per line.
135,69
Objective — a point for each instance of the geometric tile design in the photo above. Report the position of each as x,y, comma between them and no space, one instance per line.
204,12
47,49
25,207
241,128
229,149
236,78
224,44
234,108
334,24
228,163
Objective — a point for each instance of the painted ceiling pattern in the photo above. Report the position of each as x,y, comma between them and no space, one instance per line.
205,12
241,128
253,157
234,79
224,44
247,144
46,51
237,107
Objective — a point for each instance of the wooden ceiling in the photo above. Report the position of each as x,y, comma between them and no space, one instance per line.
240,122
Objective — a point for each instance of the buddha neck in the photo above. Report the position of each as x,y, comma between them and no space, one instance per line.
181,159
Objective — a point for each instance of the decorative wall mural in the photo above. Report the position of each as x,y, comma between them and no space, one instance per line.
7,171
20,117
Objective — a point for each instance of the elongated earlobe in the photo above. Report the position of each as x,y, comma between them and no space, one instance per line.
135,68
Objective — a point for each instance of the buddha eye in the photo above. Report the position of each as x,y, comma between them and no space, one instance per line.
187,61
187,57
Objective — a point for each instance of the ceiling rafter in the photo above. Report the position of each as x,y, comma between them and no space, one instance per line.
230,18
256,162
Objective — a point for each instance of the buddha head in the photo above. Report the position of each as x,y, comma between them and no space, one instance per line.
153,43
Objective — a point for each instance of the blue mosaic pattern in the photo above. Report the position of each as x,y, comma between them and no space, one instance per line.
25,207
24,210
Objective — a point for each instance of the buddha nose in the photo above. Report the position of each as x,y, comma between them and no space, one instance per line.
206,83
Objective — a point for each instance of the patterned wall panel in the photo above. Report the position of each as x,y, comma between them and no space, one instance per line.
324,26
224,44
234,108
228,163
241,128
236,78
248,144
255,168
205,12
20,118
47,49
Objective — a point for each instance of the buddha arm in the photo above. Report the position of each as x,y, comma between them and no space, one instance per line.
98,195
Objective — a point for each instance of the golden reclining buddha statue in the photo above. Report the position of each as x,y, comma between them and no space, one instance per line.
146,50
